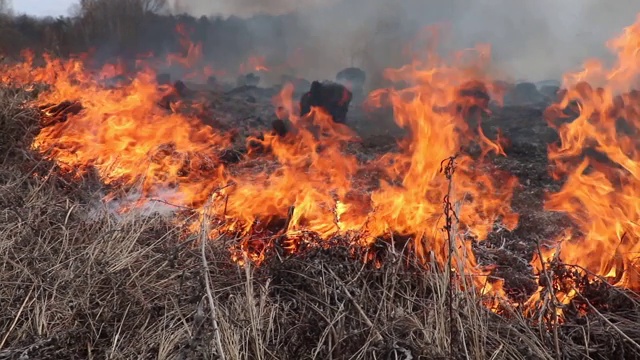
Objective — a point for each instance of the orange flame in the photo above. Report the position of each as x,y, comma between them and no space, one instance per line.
306,182
598,155
192,57
254,63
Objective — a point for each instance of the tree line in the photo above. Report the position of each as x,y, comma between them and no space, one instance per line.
128,28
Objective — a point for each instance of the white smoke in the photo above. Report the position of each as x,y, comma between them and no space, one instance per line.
245,7
165,203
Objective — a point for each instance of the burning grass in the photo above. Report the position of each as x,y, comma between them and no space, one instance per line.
295,247
82,283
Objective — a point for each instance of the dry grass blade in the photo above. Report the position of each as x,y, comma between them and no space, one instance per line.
617,329
552,302
376,334
204,240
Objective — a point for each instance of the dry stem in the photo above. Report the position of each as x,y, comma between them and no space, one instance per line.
204,239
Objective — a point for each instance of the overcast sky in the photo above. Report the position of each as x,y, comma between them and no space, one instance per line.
43,7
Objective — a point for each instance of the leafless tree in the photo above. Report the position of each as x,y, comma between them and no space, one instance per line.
101,20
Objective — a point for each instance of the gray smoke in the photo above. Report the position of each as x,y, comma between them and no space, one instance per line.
532,40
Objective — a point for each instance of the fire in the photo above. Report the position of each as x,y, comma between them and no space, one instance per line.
136,142
254,63
436,109
599,159
191,59
294,185
143,139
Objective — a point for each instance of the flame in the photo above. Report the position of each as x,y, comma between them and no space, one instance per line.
436,107
254,63
305,185
191,59
304,182
598,156
122,133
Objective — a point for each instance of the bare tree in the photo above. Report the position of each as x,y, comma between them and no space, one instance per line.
114,20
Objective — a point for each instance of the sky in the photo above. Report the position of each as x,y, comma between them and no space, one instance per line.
43,7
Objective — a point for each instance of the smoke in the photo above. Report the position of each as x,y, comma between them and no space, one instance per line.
245,7
165,203
543,39
532,40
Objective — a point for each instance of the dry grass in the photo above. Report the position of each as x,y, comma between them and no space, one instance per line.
80,283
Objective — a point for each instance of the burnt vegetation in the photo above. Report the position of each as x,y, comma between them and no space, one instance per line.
79,281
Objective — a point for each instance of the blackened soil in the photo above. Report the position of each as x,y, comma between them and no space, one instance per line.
511,251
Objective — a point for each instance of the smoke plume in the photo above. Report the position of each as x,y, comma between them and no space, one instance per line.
530,40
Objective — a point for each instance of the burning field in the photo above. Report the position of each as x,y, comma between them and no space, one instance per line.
447,215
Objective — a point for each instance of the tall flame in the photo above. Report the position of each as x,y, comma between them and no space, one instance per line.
435,108
599,159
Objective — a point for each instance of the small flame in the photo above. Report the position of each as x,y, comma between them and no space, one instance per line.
254,63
